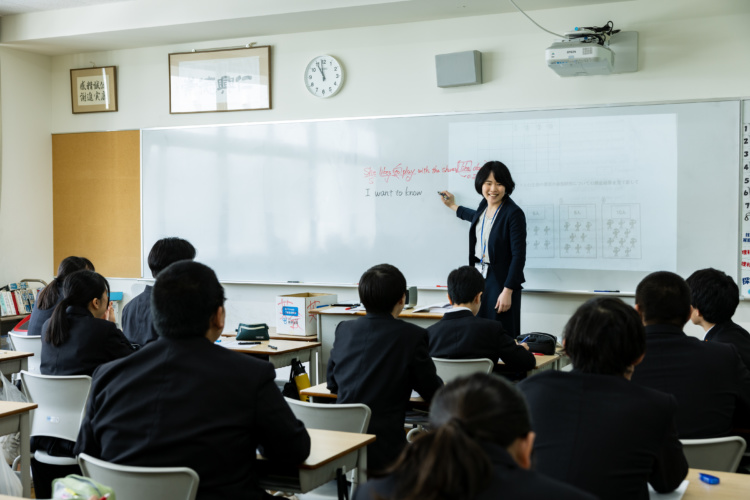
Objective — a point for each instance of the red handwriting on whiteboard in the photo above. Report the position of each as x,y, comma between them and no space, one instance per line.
465,168
370,175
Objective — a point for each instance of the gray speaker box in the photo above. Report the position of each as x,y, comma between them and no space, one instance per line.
459,68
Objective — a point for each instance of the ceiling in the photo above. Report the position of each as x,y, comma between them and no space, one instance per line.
71,26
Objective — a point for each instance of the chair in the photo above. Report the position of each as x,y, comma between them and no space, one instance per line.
449,369
142,483
61,404
28,343
331,417
719,454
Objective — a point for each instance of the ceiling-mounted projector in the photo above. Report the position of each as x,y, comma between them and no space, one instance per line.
582,52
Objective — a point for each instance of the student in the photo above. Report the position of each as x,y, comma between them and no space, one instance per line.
595,429
714,297
79,336
136,315
53,293
710,382
462,335
183,400
378,359
467,454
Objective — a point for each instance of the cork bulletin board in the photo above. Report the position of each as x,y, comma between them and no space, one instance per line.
96,200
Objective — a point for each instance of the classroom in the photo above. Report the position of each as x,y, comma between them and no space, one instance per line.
688,51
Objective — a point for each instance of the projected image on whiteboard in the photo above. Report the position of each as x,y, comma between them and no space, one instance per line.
599,192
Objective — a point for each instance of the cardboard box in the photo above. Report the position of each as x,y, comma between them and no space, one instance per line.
293,312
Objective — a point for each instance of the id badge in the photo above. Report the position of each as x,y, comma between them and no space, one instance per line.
482,268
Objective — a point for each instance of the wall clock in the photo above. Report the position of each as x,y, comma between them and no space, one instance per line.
324,76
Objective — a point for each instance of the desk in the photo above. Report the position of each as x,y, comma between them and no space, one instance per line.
279,336
329,451
732,486
14,361
14,417
321,391
287,350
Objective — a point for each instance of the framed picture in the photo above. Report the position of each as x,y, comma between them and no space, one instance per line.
93,90
220,80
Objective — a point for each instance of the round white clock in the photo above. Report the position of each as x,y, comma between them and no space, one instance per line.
324,76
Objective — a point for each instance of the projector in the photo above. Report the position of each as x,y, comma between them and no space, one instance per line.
573,58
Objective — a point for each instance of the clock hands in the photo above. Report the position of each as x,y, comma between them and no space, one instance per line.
320,68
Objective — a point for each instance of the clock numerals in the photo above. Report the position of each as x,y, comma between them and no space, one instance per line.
324,76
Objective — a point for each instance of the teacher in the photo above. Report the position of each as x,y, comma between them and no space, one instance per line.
497,244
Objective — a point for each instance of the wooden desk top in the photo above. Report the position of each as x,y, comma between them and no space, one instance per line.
8,408
731,486
11,355
327,446
321,391
406,313
284,346
279,336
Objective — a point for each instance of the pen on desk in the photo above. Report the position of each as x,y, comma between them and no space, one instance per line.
272,347
242,342
606,291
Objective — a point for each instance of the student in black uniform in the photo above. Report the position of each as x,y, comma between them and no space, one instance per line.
378,359
595,428
136,315
80,336
479,448
460,334
714,297
709,380
53,293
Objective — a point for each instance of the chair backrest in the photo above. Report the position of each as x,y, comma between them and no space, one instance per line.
719,454
331,417
61,403
142,483
449,369
28,343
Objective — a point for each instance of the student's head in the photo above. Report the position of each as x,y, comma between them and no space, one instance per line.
464,285
499,172
605,336
449,461
86,289
714,296
663,298
187,301
169,250
381,288
51,293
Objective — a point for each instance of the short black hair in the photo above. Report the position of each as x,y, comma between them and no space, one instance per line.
185,296
169,250
381,287
464,284
714,293
605,336
501,174
663,298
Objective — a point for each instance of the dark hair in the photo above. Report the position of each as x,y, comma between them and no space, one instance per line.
167,251
501,174
449,461
381,287
51,293
605,336
714,293
663,298
185,296
79,289
464,284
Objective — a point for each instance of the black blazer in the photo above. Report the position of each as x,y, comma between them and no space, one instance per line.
604,434
377,360
136,319
730,332
506,245
461,335
711,384
508,481
92,342
194,404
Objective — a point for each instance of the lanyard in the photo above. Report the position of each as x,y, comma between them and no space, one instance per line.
484,242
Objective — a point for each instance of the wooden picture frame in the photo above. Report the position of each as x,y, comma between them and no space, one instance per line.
93,90
220,80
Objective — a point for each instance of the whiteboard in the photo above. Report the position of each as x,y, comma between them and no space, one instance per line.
610,193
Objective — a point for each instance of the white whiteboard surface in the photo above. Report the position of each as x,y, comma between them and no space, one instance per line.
610,193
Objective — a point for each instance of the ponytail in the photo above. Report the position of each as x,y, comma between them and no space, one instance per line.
79,289
51,293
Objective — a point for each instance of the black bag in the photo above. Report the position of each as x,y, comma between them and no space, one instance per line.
543,343
298,379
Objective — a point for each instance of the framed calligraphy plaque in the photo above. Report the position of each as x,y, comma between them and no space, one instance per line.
220,80
93,90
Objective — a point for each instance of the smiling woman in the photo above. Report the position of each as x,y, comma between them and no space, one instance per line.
497,244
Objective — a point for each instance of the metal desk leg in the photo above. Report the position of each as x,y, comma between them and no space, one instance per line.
361,476
316,357
25,429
